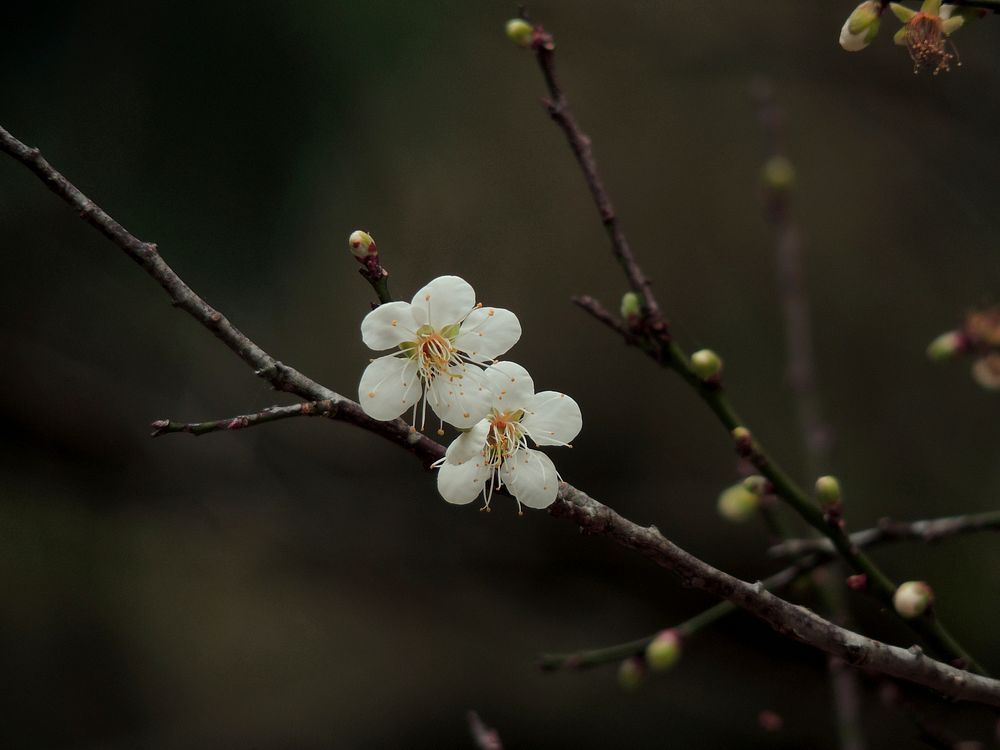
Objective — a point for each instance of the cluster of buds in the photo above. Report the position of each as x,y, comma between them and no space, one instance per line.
660,655
925,33
978,337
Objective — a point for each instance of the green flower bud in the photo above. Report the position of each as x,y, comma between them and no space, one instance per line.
912,599
828,491
631,673
706,364
361,245
738,503
861,26
631,306
520,32
664,650
946,346
778,173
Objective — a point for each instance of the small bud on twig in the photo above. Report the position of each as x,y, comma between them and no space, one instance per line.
778,173
912,599
946,346
631,309
664,650
631,673
739,502
706,364
520,32
861,26
362,246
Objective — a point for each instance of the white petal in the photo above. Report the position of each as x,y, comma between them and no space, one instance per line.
510,384
531,478
388,326
443,302
461,402
552,418
469,444
488,332
389,386
462,483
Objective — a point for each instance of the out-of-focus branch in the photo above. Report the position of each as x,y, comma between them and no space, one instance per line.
668,353
888,530
571,504
778,182
271,414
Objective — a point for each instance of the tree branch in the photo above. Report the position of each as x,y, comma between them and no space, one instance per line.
270,414
669,354
571,504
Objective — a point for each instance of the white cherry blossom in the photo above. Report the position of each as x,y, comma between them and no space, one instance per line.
495,450
441,338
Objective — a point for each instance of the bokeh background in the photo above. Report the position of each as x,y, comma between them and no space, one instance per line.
301,585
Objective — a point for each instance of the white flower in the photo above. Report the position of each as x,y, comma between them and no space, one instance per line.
441,336
495,451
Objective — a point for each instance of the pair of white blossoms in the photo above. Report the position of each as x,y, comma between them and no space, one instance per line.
443,340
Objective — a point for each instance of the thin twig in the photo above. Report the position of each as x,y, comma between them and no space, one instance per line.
669,354
559,110
271,414
887,530
571,504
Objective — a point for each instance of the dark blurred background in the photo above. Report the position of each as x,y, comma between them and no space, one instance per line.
301,585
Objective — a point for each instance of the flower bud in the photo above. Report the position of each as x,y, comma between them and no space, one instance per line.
946,346
828,491
361,245
631,673
706,364
738,503
986,371
631,307
778,173
912,599
520,32
861,26
743,440
664,650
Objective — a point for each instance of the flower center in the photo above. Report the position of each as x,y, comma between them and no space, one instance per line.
504,437
927,44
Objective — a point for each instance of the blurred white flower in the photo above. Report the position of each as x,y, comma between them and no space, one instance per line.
495,451
441,337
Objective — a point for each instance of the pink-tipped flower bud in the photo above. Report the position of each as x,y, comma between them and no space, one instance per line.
361,245
946,346
664,650
912,599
